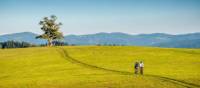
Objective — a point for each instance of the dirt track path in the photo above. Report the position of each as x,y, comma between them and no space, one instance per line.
65,55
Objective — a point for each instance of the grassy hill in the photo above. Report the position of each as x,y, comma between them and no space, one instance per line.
99,67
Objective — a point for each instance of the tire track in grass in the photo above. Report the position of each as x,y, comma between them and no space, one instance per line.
64,53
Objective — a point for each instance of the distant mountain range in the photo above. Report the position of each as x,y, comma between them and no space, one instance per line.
191,40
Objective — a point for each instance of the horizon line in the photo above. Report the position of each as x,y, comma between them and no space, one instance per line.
107,33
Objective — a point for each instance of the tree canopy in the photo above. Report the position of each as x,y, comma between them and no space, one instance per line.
51,29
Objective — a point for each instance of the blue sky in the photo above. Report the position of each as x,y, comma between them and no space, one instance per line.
93,16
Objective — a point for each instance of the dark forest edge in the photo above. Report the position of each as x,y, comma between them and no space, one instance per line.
18,44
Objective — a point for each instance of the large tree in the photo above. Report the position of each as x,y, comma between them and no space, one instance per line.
51,29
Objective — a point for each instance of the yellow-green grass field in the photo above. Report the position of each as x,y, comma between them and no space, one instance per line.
99,67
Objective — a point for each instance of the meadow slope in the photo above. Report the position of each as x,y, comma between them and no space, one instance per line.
99,67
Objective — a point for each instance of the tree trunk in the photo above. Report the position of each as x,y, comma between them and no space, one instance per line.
50,42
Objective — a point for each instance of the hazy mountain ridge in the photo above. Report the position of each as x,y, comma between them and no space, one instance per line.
22,36
191,40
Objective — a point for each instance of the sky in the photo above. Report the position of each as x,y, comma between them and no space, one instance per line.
94,16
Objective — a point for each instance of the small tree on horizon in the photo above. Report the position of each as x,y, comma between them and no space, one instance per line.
51,29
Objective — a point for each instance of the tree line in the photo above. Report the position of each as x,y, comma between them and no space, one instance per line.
56,43
15,44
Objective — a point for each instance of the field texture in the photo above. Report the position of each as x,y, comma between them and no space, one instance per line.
99,67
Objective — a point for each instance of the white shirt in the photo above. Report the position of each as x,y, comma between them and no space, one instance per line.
141,65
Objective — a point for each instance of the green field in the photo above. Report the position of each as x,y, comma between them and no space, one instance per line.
99,67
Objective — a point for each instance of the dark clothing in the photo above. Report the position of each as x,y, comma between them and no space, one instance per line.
136,67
